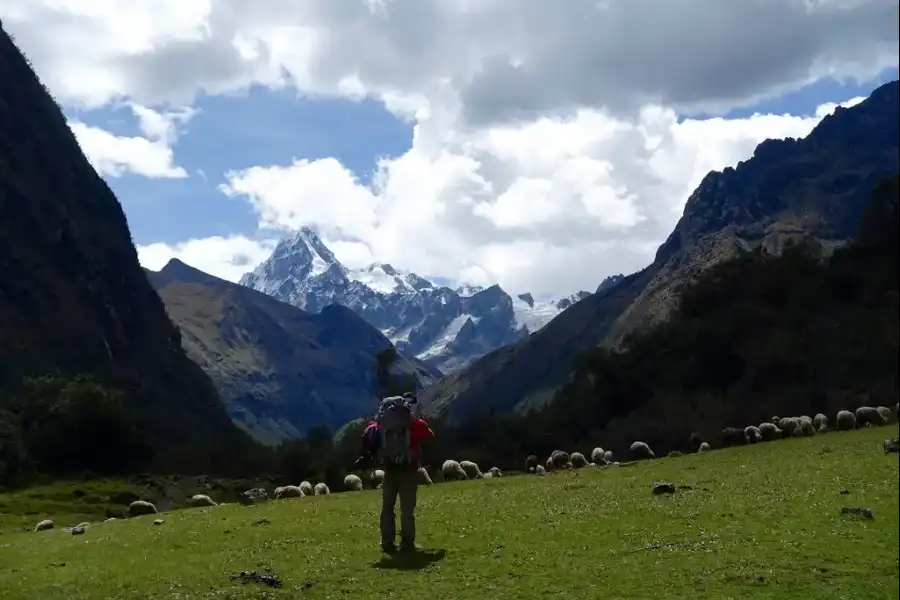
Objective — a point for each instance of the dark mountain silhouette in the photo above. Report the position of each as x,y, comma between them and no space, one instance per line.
812,188
73,298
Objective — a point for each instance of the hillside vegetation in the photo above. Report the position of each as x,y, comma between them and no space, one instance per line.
760,522
75,302
815,188
761,335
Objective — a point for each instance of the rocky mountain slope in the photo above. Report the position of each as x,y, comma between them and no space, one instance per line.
73,297
279,370
811,188
443,327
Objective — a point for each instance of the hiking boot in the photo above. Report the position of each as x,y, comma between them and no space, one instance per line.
406,546
389,548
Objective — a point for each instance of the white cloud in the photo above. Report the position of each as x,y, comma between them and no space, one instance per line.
225,257
546,152
501,58
550,206
150,156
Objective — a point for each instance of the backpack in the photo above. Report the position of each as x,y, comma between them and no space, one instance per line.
394,428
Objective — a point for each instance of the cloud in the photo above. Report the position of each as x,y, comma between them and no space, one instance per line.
547,149
149,156
550,206
225,257
501,59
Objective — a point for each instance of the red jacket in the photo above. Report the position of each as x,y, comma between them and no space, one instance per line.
418,432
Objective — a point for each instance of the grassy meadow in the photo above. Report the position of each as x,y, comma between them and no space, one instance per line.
758,522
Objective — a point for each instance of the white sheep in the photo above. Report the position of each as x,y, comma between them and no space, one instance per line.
472,470
377,477
845,420
353,483
495,471
640,450
201,500
868,416
141,507
788,425
704,447
453,471
769,432
540,470
598,455
820,422
559,458
321,489
578,460
752,434
44,525
609,456
885,413
423,476
568,466
807,427
307,488
549,464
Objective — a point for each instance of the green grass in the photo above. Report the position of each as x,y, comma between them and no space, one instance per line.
760,522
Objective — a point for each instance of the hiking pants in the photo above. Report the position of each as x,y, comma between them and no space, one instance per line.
403,483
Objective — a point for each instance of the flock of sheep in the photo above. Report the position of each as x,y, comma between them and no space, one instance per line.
452,470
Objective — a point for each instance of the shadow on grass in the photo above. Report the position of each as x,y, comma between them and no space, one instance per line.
410,561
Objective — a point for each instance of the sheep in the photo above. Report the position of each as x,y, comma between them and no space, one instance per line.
353,483
568,466
289,491
820,422
598,455
732,436
752,434
306,488
578,460
775,420
201,500
559,458
452,470
704,447
549,464
640,450
885,413
609,456
806,427
788,425
531,463
495,471
377,477
769,432
321,489
472,470
423,476
44,525
141,507
867,416
845,420
540,470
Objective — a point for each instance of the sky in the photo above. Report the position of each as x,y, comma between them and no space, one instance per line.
542,146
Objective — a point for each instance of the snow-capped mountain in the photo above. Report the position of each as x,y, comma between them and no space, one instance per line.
444,327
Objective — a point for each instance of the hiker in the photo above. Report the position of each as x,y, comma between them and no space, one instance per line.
393,439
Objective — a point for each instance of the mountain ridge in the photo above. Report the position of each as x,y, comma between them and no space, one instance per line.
788,190
446,328
279,370
73,298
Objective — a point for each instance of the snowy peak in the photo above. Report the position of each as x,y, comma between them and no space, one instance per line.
382,278
466,291
446,328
